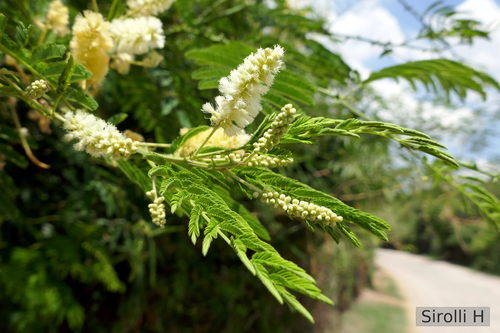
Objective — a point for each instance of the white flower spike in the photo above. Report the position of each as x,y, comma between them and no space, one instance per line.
137,35
96,136
242,90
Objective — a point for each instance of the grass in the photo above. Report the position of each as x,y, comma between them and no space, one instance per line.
386,286
379,310
374,317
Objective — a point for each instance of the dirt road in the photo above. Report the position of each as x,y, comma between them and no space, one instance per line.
431,283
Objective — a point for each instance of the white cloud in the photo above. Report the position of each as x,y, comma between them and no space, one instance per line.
486,11
400,106
370,20
483,53
321,7
422,115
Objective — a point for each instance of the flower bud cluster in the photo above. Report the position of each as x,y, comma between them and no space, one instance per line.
157,208
254,161
96,136
37,88
277,130
299,208
268,161
224,160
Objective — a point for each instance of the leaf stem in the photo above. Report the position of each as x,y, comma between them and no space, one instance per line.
218,152
43,35
242,181
95,7
206,139
113,9
154,144
354,110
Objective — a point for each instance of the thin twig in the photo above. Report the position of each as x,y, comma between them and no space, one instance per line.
242,181
112,10
206,139
95,7
154,144
387,44
22,138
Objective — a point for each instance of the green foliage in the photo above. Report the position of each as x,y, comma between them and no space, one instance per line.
75,238
485,202
444,21
48,52
8,207
268,179
439,74
210,213
217,61
305,128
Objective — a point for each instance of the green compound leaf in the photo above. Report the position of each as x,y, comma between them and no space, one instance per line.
305,128
217,61
270,180
436,75
48,52
135,174
203,202
77,96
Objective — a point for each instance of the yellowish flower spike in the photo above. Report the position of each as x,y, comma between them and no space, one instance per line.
218,139
90,45
58,18
37,89
268,161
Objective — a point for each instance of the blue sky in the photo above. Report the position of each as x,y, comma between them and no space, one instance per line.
387,20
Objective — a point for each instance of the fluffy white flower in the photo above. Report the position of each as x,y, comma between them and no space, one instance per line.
242,90
137,35
96,136
148,7
91,43
58,18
